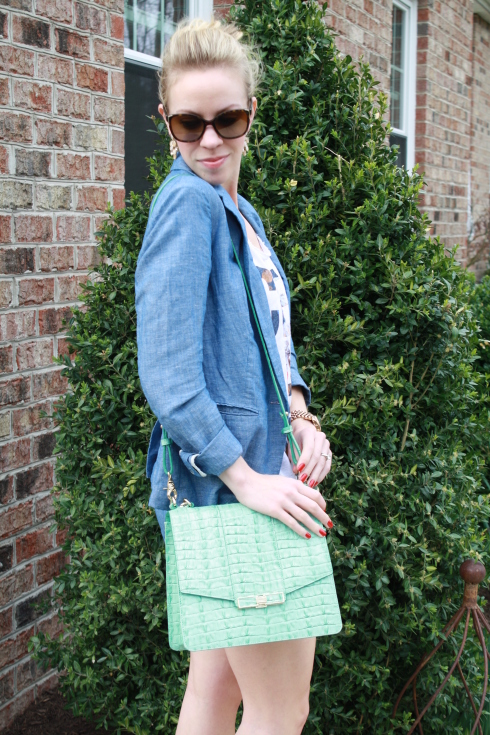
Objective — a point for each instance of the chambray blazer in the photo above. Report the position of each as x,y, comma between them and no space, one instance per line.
200,361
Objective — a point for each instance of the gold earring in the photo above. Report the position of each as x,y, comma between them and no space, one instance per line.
245,147
174,148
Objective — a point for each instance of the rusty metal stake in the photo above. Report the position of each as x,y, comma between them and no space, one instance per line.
472,573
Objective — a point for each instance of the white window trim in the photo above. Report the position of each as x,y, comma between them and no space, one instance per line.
197,9
410,64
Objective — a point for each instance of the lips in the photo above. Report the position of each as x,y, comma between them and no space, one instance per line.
213,163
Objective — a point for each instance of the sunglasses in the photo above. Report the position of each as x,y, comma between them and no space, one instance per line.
188,128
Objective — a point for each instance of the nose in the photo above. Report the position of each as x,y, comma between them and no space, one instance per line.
210,138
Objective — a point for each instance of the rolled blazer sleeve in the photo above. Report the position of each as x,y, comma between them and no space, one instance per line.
171,285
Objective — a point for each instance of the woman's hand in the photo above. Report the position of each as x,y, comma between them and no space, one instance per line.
283,498
312,466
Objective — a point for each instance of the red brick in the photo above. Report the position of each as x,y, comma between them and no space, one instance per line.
58,10
32,162
63,348
46,685
92,198
45,508
4,160
6,496
51,132
32,95
6,686
29,419
88,256
55,69
6,622
117,26
15,519
61,536
15,648
32,544
35,291
15,708
50,626
4,29
14,454
88,18
35,354
30,31
27,674
49,383
44,445
5,294
14,127
17,583
92,77
118,141
57,257
73,104
51,320
118,86
99,220
118,198
33,228
70,287
73,166
116,5
36,480
71,43
72,228
50,566
111,54
17,325
108,110
6,364
4,91
15,60
5,228
14,390
108,168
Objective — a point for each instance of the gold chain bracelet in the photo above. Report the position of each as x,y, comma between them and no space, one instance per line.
308,416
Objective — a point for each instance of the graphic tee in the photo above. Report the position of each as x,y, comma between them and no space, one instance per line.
281,320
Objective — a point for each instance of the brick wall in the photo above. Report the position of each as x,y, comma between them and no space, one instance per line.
364,29
480,149
443,115
61,161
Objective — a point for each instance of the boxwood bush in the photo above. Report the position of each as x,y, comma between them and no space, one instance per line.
386,340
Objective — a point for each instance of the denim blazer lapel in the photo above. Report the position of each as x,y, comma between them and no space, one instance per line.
239,236
259,297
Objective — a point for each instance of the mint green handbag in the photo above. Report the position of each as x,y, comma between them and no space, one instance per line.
235,576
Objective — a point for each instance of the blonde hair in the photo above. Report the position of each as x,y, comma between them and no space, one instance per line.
201,44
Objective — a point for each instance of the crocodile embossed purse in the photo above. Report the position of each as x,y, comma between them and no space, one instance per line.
235,576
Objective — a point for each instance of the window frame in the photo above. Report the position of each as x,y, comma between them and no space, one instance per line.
197,9
409,84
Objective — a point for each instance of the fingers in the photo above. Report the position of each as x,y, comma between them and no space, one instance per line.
318,466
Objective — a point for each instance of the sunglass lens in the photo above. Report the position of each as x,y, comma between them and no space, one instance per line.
186,128
232,124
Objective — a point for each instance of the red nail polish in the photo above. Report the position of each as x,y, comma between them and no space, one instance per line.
303,477
330,524
311,483
301,467
308,535
322,532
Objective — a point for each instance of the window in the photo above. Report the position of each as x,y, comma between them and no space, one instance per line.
148,24
403,72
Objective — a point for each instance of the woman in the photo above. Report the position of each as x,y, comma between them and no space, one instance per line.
203,370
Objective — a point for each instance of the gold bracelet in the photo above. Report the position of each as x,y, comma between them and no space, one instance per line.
308,416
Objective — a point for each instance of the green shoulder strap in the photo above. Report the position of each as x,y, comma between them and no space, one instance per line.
287,428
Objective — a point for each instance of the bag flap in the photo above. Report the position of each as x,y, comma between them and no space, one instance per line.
230,551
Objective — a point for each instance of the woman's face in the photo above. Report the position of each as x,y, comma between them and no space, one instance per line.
207,93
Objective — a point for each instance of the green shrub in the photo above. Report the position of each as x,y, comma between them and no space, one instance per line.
385,339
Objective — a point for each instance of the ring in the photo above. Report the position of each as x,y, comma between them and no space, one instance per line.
328,455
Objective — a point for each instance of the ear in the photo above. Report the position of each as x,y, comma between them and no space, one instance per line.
252,115
162,113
